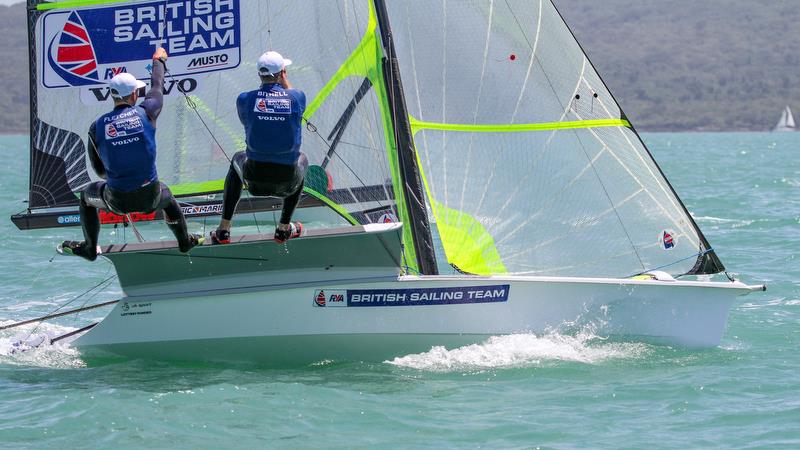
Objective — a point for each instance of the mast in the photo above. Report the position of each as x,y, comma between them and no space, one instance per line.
412,190
32,15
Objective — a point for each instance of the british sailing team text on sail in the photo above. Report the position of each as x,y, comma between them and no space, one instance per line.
153,23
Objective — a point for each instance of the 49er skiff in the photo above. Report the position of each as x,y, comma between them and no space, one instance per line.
501,159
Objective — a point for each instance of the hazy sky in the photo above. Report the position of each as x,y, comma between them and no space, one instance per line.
9,2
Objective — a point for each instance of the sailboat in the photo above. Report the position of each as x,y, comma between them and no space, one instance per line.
786,122
480,178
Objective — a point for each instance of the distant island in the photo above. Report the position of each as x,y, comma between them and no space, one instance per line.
681,65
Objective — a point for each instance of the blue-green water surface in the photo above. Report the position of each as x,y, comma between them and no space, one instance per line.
523,391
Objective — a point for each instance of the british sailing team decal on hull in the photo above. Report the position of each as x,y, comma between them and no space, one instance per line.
411,297
87,47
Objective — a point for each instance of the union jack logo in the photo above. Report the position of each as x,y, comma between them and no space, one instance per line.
320,298
668,241
75,59
111,130
261,105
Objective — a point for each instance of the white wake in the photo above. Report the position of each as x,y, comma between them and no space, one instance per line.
29,345
524,350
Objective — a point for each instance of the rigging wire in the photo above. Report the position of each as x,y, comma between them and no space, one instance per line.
193,106
189,102
83,305
103,283
269,27
313,128
38,274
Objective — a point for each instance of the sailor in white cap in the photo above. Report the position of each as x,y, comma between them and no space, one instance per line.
122,150
272,165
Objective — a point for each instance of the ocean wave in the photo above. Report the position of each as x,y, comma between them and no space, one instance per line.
779,301
736,222
524,350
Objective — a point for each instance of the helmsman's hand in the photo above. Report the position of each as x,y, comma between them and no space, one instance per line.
160,54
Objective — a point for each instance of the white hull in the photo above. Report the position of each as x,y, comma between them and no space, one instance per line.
254,300
285,326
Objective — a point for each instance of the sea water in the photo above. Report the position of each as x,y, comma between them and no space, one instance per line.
523,391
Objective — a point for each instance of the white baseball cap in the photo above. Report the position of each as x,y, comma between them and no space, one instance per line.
124,84
271,63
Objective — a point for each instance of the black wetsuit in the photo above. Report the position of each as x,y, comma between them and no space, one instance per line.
273,165
264,179
137,190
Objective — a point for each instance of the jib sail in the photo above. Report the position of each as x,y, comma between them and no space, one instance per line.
531,167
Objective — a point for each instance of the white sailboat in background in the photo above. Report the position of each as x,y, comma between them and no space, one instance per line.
786,122
526,200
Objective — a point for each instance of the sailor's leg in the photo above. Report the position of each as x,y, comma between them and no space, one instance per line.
91,200
233,190
289,205
173,216
290,202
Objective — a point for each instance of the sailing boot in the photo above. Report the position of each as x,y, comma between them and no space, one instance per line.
194,241
186,241
221,236
294,231
77,248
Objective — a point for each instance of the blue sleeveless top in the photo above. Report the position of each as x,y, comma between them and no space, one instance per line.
126,143
272,118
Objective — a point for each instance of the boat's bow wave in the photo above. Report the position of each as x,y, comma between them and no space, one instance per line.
30,346
525,350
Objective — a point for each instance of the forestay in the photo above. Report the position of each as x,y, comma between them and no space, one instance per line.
530,165
213,45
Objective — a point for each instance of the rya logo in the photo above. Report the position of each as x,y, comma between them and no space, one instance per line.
334,297
111,72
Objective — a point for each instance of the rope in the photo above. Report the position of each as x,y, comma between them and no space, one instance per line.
61,314
138,235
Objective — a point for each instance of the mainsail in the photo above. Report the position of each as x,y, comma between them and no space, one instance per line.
501,139
77,46
786,122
